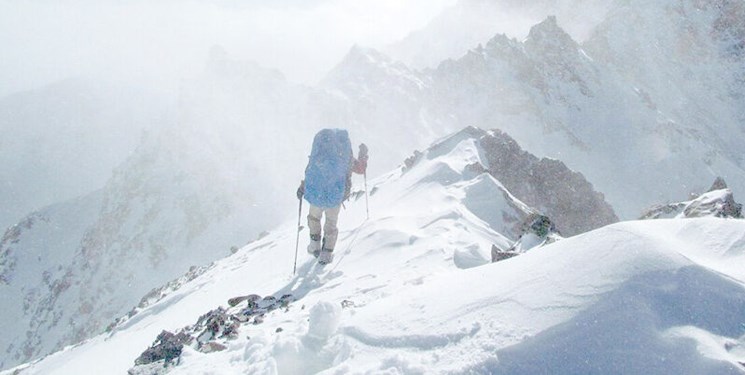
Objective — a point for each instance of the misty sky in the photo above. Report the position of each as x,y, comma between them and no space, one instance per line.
161,42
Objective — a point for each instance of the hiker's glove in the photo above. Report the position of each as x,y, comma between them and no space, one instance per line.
362,154
362,158
301,190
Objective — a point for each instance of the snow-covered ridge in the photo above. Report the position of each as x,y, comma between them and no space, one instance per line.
366,66
471,22
545,184
592,105
412,290
595,106
719,201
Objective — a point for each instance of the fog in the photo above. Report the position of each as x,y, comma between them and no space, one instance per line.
155,136
162,42
445,37
141,138
82,79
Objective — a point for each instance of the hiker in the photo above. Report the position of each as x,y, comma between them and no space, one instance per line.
327,183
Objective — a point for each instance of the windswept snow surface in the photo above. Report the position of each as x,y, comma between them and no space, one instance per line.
654,297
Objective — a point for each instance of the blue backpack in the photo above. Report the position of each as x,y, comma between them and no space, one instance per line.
328,168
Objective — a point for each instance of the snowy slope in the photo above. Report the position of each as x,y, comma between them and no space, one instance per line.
190,192
186,195
420,296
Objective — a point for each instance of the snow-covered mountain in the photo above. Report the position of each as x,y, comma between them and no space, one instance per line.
185,197
152,223
600,106
227,167
382,104
471,22
62,141
412,291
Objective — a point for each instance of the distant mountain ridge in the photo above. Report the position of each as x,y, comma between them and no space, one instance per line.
591,127
589,105
61,141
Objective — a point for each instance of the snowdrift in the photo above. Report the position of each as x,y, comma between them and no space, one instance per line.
412,291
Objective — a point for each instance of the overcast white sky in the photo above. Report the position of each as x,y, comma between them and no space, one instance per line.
160,42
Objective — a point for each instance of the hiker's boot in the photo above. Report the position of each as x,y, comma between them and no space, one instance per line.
326,256
314,247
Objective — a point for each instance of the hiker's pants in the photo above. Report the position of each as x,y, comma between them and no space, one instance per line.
330,231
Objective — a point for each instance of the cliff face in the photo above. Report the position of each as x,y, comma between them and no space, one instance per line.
547,185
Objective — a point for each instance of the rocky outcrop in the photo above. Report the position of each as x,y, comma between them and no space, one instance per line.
210,333
547,185
719,201
538,230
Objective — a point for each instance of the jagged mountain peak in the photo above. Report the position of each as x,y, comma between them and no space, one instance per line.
697,30
501,42
718,184
221,67
359,57
548,33
359,54
366,66
550,45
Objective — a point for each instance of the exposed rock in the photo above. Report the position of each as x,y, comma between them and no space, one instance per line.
547,185
412,160
216,324
212,347
540,225
498,255
209,334
11,237
538,230
665,211
719,201
718,184
166,347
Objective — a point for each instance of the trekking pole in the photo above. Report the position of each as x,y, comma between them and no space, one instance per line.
297,240
362,154
367,205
